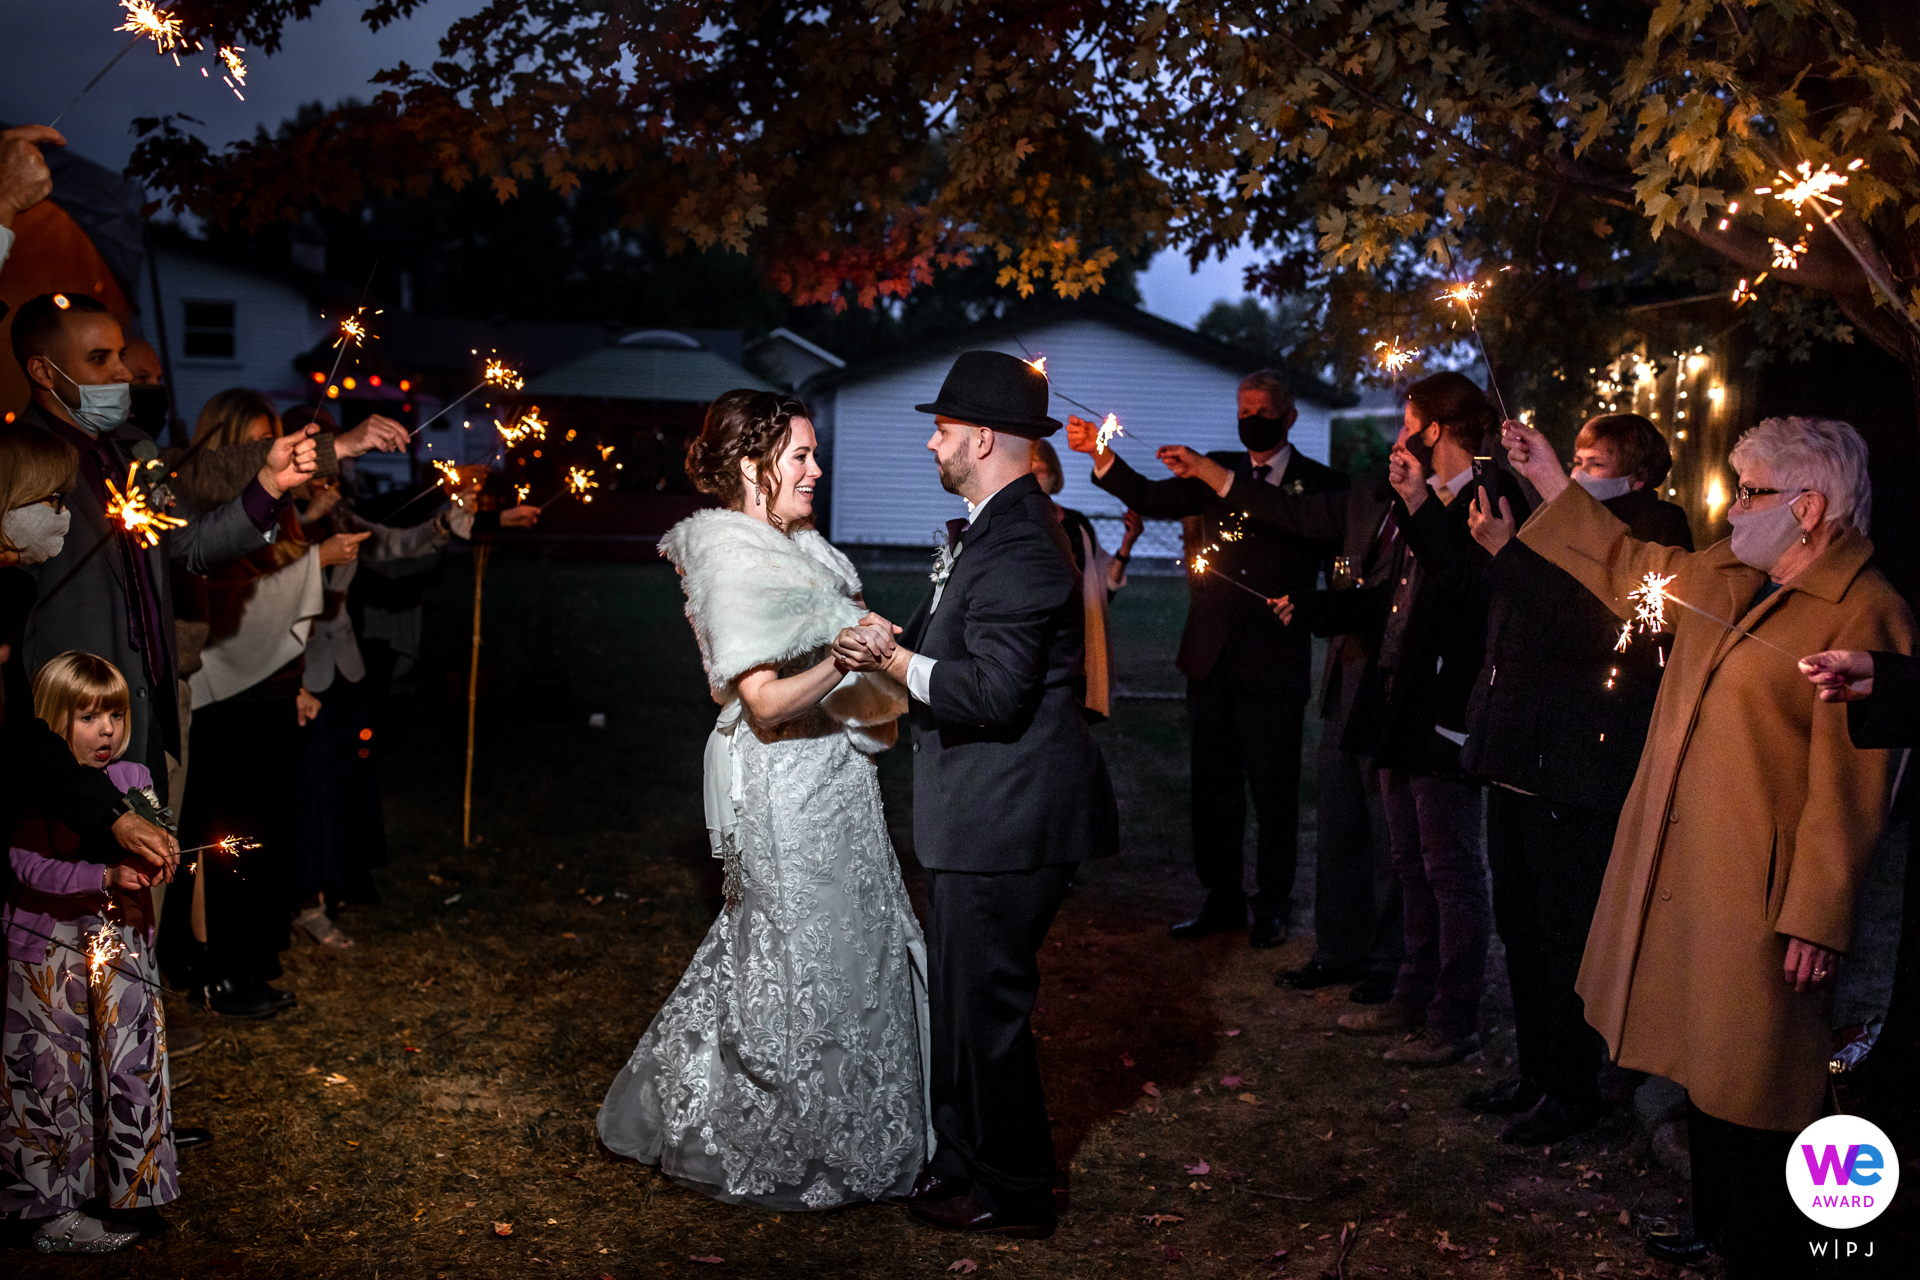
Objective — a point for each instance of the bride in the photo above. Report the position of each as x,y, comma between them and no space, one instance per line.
786,1069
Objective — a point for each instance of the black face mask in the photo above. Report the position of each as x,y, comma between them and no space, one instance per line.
1262,434
149,412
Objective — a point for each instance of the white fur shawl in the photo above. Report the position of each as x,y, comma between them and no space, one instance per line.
757,597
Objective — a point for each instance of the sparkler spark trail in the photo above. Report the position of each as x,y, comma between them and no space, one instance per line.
133,513
1201,564
236,77
1650,609
1039,365
1109,428
155,24
230,845
1467,294
103,948
1667,597
578,481
520,492
528,426
1393,359
17,926
497,374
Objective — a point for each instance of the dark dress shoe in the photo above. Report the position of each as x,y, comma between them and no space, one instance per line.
231,999
1549,1122
1314,975
931,1187
1511,1097
964,1213
274,996
1375,988
188,1139
1682,1248
1211,920
1268,931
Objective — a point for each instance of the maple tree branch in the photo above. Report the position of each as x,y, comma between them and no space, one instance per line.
1569,25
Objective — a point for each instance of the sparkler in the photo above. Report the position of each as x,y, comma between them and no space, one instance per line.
1109,423
353,332
133,513
236,76
1653,585
520,492
1815,189
146,23
85,954
498,374
528,426
230,845
578,481
1394,359
103,948
1650,609
1201,564
1468,295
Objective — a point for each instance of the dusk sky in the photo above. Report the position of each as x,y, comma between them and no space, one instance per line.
328,57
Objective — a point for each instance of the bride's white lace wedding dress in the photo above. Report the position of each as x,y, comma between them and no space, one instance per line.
785,1070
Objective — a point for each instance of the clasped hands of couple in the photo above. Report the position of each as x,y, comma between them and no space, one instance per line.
869,645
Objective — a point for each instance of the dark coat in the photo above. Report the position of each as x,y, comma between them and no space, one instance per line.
1229,631
1890,717
1399,710
36,765
1006,776
1557,711
1349,519
91,612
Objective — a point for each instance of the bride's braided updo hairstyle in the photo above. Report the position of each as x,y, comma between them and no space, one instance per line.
743,425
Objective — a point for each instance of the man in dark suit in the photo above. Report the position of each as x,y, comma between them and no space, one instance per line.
1010,791
1248,677
109,592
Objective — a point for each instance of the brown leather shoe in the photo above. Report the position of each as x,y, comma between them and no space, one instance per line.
964,1213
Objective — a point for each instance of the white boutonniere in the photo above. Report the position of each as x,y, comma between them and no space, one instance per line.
943,558
1297,487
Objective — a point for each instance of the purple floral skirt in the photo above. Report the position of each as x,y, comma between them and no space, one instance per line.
84,1106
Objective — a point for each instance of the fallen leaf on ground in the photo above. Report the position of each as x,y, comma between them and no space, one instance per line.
503,1228
1162,1219
420,1213
1151,1089
1201,1167
1496,1206
311,1071
596,899
468,1204
1230,1082
1126,1059
710,1260
574,936
1626,1219
407,1048
1248,1097
965,1266
447,902
335,1078
1234,1032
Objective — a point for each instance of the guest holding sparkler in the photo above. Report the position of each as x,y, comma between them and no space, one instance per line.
85,1114
109,591
1556,723
1729,896
1247,679
1101,575
248,706
1411,713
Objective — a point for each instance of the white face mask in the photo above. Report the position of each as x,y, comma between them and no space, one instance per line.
1760,538
38,530
1604,488
101,408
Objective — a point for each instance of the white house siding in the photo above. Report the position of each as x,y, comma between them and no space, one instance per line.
273,323
886,491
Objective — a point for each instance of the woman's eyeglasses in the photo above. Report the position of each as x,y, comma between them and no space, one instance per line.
1747,495
58,501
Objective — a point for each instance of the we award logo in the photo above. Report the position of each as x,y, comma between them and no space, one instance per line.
1842,1172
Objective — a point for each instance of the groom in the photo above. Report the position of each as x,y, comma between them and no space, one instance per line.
1010,792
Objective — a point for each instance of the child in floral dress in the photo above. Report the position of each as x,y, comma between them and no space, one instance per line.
84,1114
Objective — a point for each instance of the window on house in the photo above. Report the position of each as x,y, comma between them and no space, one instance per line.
209,330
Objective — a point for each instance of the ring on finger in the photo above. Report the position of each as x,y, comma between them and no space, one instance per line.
1819,975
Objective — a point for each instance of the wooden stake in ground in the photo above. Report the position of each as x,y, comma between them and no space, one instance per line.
480,550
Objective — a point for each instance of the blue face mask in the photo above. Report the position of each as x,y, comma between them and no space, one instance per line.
101,408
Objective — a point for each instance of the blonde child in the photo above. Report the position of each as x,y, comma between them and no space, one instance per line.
84,1109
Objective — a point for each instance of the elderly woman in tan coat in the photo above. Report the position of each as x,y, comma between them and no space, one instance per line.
1729,897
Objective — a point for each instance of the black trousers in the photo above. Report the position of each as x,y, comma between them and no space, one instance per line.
1245,742
983,941
1548,860
1356,894
1740,1202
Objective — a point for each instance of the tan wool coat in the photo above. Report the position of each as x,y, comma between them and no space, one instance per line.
1751,819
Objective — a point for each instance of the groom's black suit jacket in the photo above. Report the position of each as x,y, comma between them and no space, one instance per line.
1005,775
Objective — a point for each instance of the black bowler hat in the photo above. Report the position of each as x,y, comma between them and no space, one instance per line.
993,389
